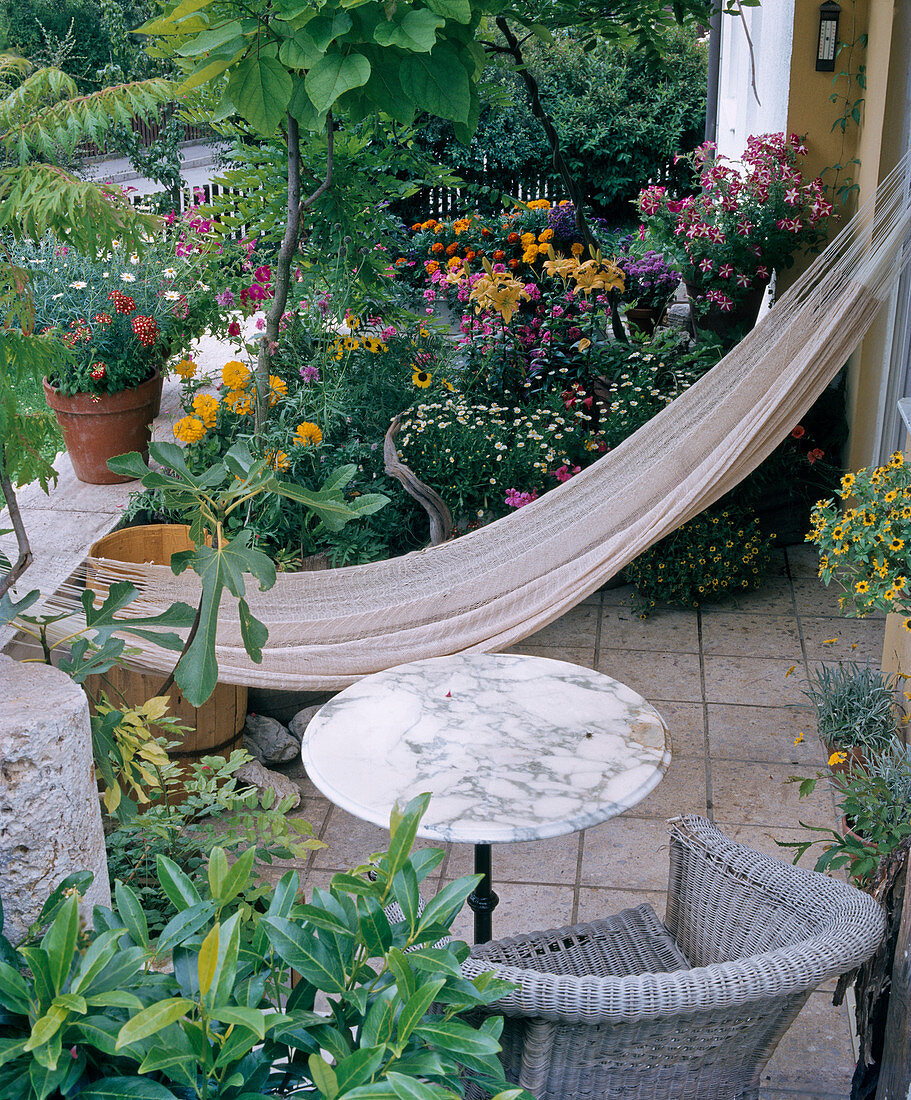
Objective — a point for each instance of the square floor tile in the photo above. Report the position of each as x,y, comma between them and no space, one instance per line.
596,903
815,1053
521,908
761,794
664,630
803,561
773,598
350,842
686,727
843,639
737,634
754,681
674,676
812,597
555,860
682,791
577,627
626,853
765,733
574,655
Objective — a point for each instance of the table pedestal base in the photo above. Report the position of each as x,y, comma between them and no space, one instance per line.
482,900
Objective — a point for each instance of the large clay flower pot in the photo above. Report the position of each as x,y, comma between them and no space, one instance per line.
644,319
733,323
97,427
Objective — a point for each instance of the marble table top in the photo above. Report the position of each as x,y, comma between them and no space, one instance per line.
511,747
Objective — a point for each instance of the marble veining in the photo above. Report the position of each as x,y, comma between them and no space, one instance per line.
511,747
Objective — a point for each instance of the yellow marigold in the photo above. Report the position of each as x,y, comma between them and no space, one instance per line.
278,460
307,434
186,368
278,388
235,375
206,408
189,429
527,239
577,249
239,402
545,235
837,758
530,255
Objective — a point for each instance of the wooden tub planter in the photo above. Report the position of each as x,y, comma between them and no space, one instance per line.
216,727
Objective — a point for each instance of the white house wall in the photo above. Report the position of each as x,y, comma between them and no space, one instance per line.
771,28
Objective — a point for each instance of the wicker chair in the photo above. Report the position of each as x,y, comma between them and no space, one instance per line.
631,1008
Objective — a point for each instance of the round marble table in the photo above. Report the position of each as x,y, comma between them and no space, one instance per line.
510,747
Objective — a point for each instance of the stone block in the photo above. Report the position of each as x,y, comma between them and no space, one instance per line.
50,818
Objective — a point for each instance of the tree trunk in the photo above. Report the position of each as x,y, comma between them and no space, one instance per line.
895,1068
573,191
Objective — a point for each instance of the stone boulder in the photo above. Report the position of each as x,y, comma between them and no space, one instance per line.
269,741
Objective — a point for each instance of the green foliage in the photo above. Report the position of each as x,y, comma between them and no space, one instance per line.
189,814
721,552
854,706
351,59
478,456
226,1024
873,797
79,36
212,497
618,114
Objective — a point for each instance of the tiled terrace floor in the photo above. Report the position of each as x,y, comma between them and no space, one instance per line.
729,682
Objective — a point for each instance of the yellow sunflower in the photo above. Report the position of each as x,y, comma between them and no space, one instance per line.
421,378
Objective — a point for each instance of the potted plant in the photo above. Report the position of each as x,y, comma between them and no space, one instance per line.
854,712
744,223
120,319
650,283
873,798
865,550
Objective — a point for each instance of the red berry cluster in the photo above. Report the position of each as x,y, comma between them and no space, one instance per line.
123,303
98,371
146,329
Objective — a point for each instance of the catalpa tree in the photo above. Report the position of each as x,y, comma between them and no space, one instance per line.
288,65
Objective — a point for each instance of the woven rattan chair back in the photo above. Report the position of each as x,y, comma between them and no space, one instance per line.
692,1009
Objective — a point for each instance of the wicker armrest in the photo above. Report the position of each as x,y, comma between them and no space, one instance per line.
823,928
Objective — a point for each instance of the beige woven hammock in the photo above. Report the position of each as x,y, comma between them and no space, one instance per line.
492,587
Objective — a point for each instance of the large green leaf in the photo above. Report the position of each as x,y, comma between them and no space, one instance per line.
127,1088
416,1007
457,1036
458,10
218,568
176,884
260,89
299,51
203,43
333,75
304,952
438,82
415,30
384,87
151,1020
60,941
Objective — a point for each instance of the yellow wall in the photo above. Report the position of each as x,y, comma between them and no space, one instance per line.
875,142
810,110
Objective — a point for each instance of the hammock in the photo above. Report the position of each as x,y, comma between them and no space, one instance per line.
495,586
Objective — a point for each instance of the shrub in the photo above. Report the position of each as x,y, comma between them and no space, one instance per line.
718,553
854,706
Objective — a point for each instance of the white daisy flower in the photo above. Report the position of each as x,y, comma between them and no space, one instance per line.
79,285
170,273
127,277
172,295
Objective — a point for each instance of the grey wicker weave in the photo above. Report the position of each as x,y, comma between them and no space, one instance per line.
691,1010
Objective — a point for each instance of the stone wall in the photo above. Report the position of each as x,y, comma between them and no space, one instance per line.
50,819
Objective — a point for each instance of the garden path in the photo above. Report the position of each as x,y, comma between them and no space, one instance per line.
729,681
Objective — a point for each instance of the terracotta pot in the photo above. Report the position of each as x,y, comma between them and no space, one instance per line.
854,757
644,320
97,427
733,323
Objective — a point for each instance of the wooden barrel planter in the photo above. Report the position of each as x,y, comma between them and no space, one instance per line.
216,728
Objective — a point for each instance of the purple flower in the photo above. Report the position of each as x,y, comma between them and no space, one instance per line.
310,374
225,298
